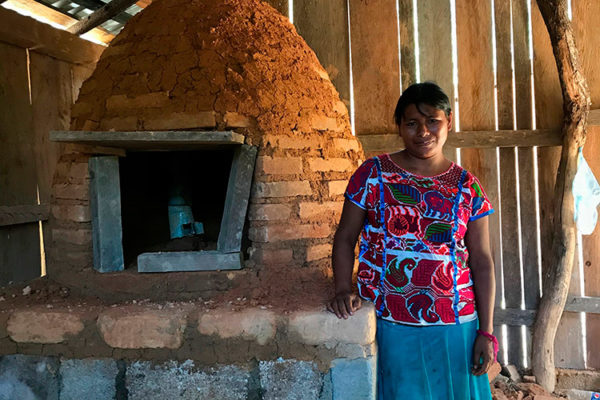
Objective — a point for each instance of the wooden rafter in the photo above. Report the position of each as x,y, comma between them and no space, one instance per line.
100,16
576,105
34,8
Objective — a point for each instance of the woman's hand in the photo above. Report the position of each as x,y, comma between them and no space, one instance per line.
344,304
483,355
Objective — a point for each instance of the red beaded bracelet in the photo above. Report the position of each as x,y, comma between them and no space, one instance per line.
493,339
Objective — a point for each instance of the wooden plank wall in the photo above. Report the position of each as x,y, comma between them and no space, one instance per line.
587,32
36,94
391,49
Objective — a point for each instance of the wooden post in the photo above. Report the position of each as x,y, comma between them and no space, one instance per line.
576,105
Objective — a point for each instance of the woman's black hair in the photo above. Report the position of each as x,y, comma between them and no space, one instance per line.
422,93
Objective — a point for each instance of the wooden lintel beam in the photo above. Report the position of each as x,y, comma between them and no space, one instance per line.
14,215
100,16
30,34
590,305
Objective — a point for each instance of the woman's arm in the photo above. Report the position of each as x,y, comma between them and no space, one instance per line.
345,301
484,282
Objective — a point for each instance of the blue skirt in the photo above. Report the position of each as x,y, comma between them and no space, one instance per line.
428,363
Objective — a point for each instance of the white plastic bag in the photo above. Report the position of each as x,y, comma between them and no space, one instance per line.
586,192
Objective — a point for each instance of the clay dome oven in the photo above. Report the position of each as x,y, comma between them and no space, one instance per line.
218,106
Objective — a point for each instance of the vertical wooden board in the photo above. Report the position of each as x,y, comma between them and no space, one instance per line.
324,26
548,111
280,5
509,227
591,256
587,34
51,92
435,43
19,244
526,160
375,68
406,26
476,104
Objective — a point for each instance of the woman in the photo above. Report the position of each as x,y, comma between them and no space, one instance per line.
424,260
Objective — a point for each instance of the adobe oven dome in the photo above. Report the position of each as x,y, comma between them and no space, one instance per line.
184,64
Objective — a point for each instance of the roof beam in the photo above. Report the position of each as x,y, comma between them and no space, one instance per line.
100,16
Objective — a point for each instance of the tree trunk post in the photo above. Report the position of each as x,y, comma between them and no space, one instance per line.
576,105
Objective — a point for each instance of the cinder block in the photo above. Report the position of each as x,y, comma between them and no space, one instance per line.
290,380
354,379
173,380
29,378
89,379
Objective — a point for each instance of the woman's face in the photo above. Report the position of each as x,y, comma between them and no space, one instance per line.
424,130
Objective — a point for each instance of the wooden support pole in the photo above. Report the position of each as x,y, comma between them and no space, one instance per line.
576,105
100,16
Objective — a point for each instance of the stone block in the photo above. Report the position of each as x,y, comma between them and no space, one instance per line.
354,379
313,209
74,236
318,252
272,256
181,261
43,326
180,120
29,378
71,191
138,327
282,189
173,380
76,213
248,324
105,209
290,380
279,165
273,233
330,164
337,188
89,379
346,145
269,212
322,327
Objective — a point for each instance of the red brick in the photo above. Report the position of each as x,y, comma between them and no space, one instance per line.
279,165
180,120
330,164
318,252
324,123
273,233
346,145
272,256
269,212
73,236
72,213
71,191
311,209
282,189
337,187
